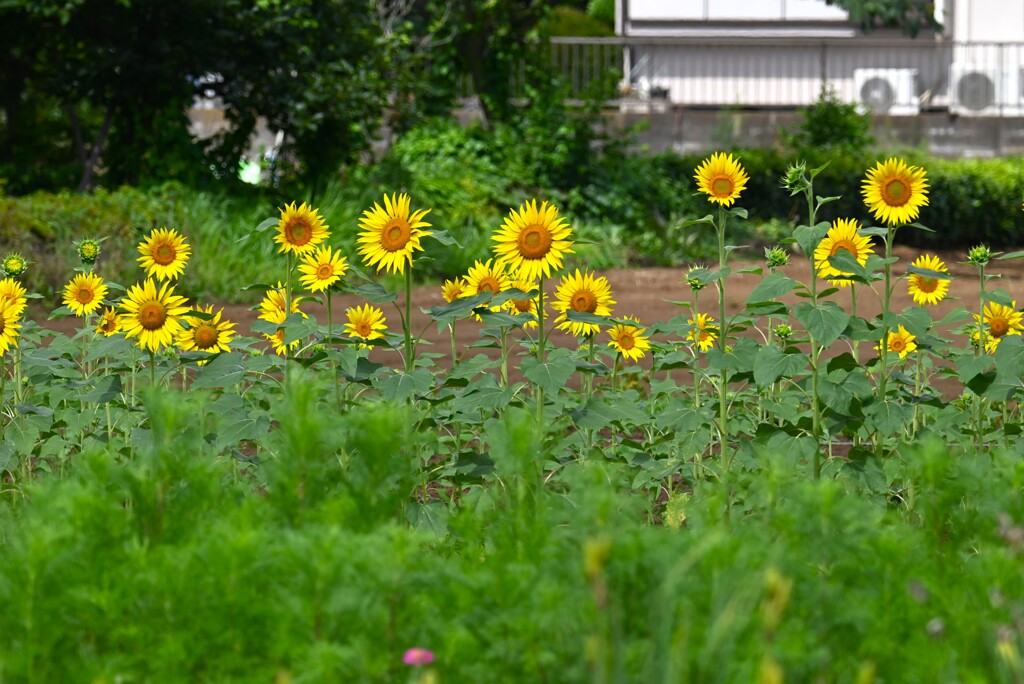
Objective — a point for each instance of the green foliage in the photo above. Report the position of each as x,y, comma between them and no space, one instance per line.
602,10
568,21
830,127
910,16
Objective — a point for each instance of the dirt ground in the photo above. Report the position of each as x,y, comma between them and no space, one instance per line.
645,293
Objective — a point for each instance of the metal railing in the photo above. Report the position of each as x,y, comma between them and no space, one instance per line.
897,77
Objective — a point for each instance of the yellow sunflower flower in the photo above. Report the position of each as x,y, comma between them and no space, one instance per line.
300,229
900,342
365,323
722,178
108,324
322,268
1001,321
390,234
924,289
207,334
164,254
12,292
584,293
152,316
272,309
841,236
85,293
453,289
629,340
486,277
525,307
895,192
704,332
533,241
9,324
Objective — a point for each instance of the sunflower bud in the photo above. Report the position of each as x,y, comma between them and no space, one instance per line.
696,278
783,331
979,255
795,179
15,265
88,250
595,555
776,257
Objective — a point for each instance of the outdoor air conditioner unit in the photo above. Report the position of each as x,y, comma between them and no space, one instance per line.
887,91
984,91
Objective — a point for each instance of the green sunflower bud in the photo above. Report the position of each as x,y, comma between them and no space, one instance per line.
776,257
979,255
15,265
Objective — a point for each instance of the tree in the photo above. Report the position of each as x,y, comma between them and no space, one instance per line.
910,16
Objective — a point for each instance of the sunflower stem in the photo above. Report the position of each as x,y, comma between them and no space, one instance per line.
410,352
917,393
330,339
152,368
815,358
451,332
979,400
538,390
504,356
287,310
724,330
884,354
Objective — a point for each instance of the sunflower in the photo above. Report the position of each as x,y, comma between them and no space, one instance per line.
486,278
164,254
533,241
206,334
895,192
900,342
322,268
154,317
704,332
1001,320
84,293
524,307
722,178
9,325
925,289
586,294
300,229
453,289
629,340
108,324
12,292
365,323
841,236
390,234
272,309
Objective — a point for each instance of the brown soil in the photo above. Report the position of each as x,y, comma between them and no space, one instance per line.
647,293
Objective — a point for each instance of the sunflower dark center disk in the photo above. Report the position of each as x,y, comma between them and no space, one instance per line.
363,328
324,272
206,336
152,315
84,295
488,285
844,245
895,193
534,241
298,233
897,344
164,254
395,235
998,327
584,301
626,341
721,187
927,285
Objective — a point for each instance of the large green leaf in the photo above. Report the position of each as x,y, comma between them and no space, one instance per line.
772,286
551,375
771,363
826,321
887,417
222,371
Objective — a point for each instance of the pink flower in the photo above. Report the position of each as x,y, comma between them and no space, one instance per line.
418,657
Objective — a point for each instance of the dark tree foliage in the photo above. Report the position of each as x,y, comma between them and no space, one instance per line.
910,16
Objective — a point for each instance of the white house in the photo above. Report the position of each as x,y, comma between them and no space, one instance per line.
780,53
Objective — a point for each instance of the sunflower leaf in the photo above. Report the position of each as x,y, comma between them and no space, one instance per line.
1000,296
373,292
457,310
773,286
1011,255
444,237
880,231
551,375
825,200
808,237
920,227
846,263
928,273
266,224
771,363
223,370
1010,357
826,321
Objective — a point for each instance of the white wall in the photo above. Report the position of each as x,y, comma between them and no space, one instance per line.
988,20
739,10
